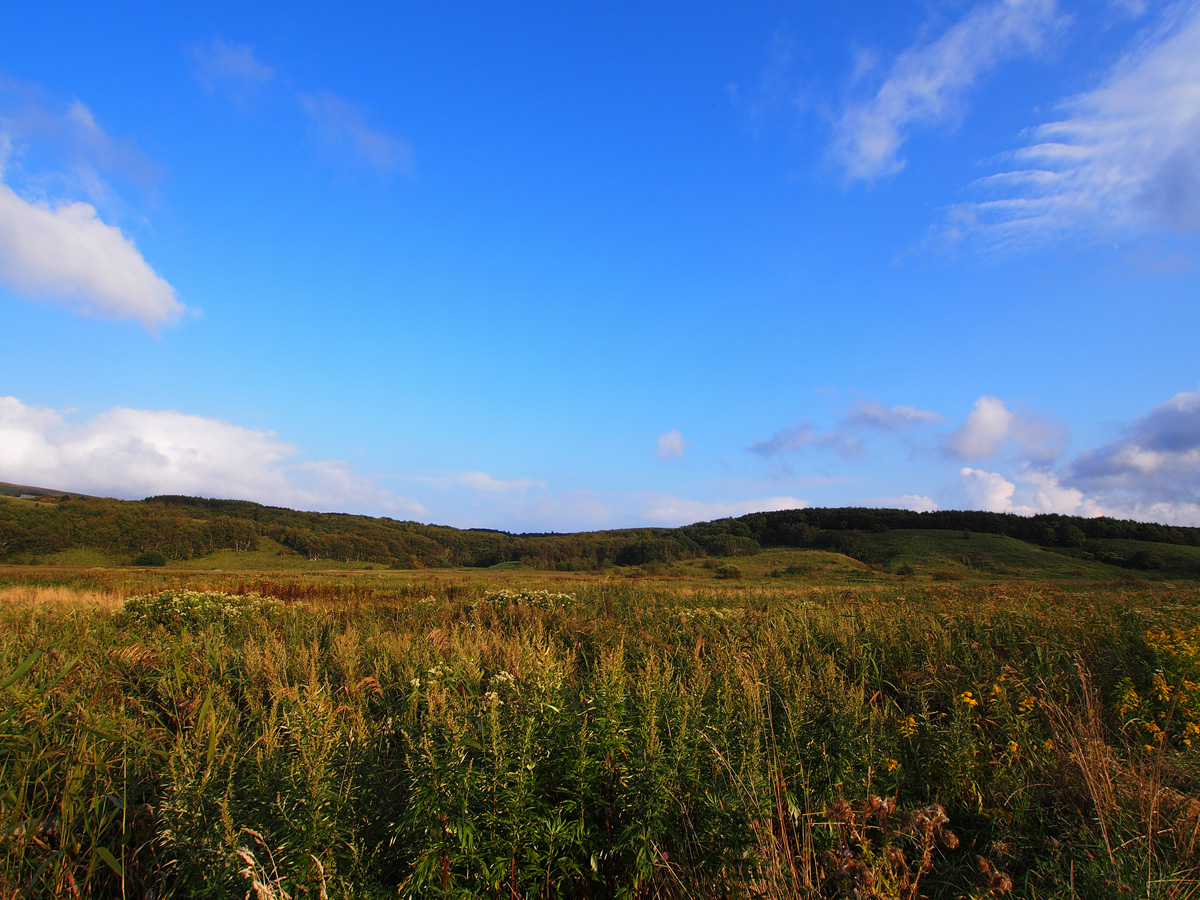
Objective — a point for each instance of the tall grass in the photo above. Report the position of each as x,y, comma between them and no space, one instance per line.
618,740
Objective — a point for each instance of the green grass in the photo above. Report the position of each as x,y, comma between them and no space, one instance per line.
81,557
269,557
983,555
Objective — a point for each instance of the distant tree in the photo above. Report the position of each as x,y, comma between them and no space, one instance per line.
1071,535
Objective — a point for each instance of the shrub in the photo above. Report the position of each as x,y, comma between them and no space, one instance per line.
947,575
150,558
728,570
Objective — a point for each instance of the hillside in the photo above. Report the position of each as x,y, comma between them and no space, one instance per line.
54,527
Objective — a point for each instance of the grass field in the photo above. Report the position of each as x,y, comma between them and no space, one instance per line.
809,726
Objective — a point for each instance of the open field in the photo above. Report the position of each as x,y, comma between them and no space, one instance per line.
650,734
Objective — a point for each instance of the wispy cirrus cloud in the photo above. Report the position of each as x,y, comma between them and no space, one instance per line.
340,127
873,414
846,436
54,147
805,434
480,481
926,85
231,68
1124,159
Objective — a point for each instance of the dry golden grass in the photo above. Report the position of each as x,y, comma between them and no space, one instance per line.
58,598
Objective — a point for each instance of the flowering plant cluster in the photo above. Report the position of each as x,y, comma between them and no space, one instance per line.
536,599
191,609
1170,705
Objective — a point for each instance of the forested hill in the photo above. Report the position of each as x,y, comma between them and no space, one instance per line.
186,527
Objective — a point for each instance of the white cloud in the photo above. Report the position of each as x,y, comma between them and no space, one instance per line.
67,252
671,445
927,82
60,248
1029,494
342,127
1123,161
1032,493
133,453
915,502
985,430
991,491
1151,473
992,425
1047,494
663,509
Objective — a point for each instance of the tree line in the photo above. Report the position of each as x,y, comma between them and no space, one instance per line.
181,527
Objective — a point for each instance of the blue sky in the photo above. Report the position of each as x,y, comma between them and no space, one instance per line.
561,268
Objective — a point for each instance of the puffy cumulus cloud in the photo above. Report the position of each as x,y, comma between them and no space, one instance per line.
1157,460
1044,493
68,253
1150,473
915,502
132,453
1029,493
341,126
992,426
872,414
986,429
927,82
663,509
991,491
671,445
1124,160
